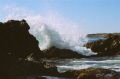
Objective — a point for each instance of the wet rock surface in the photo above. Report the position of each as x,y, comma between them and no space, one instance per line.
54,52
108,47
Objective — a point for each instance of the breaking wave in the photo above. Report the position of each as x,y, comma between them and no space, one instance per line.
51,29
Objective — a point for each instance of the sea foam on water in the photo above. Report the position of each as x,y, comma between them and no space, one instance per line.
52,30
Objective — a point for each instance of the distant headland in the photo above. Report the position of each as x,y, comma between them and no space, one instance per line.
104,35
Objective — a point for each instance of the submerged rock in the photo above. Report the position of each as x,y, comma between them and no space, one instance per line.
108,47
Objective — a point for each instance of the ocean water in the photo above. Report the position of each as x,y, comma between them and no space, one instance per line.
95,39
112,63
63,65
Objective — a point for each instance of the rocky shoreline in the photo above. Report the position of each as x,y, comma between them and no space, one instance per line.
108,47
20,55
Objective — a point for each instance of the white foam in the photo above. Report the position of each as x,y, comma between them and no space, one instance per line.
105,61
64,68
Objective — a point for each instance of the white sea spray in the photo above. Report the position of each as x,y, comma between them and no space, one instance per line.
51,29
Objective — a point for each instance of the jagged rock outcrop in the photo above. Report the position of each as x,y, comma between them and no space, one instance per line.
108,47
16,40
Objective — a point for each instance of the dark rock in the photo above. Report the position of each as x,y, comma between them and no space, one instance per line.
21,68
54,52
108,47
40,78
16,40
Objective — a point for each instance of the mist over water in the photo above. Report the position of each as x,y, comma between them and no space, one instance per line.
51,29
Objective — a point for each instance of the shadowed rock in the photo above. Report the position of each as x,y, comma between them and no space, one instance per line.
21,68
16,40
